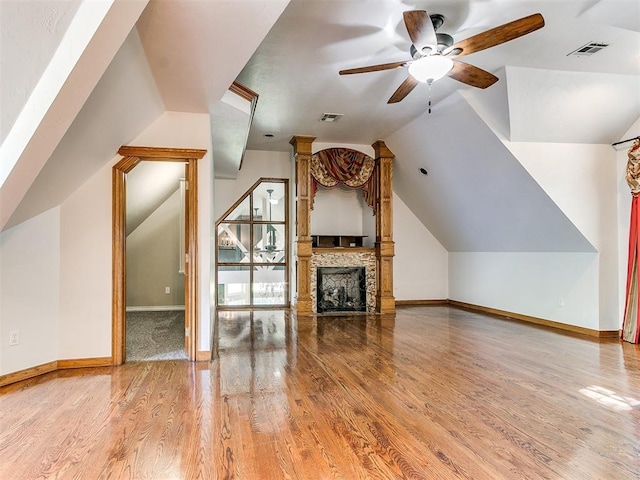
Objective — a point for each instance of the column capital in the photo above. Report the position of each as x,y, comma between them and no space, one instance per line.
381,150
302,143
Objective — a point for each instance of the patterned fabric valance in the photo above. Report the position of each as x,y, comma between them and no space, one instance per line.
354,169
633,168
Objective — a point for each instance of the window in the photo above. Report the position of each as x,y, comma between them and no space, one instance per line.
252,248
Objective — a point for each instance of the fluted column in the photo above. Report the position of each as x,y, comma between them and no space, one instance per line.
302,152
385,250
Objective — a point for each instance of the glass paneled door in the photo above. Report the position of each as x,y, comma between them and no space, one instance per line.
252,248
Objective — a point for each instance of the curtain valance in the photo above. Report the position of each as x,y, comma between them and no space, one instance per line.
334,166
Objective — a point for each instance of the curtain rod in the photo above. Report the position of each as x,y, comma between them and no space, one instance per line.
625,141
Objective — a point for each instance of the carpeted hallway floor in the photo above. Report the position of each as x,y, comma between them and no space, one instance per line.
155,336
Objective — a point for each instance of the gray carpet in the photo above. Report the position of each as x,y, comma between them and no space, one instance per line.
155,336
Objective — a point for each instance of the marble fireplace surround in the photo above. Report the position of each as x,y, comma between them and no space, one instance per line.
345,258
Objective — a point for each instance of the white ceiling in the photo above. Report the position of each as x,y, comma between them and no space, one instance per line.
295,69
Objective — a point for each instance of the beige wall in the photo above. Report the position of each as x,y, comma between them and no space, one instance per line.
153,258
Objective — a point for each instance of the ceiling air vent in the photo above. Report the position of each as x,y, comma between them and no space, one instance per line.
331,117
589,49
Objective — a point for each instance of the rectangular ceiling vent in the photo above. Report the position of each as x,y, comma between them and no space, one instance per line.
331,117
589,49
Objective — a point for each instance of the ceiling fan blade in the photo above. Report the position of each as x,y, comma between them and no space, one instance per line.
374,68
421,31
404,89
471,75
496,36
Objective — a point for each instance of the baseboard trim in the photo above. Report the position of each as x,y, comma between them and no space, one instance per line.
56,365
406,303
538,321
85,363
28,373
156,308
203,356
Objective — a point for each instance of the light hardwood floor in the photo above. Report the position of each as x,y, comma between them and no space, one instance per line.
432,393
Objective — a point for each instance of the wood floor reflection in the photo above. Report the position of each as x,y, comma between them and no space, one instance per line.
432,393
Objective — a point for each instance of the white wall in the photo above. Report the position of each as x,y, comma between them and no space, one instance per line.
338,211
561,287
256,164
85,273
86,244
420,267
29,291
581,180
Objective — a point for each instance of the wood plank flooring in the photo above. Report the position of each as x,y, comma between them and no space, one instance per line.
432,393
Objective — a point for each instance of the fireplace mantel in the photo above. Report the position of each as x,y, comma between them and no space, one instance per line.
345,257
380,259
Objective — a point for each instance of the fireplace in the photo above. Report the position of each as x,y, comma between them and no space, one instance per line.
341,289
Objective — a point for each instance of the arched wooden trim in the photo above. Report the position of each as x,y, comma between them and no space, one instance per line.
132,157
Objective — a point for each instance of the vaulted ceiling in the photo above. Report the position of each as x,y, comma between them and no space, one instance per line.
183,55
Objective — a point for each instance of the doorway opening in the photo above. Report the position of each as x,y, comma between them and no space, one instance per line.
133,156
155,317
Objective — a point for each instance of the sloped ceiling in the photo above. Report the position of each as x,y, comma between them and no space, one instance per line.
602,105
476,197
123,103
31,31
184,41
149,185
197,48
94,36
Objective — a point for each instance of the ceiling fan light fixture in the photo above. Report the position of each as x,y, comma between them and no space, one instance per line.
430,68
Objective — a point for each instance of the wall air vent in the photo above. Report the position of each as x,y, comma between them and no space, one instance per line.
589,49
331,117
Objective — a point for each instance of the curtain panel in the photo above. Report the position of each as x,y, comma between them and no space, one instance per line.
631,322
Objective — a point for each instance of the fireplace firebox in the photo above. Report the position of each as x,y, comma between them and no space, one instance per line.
341,289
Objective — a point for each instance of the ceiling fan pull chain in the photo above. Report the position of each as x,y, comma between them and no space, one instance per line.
429,82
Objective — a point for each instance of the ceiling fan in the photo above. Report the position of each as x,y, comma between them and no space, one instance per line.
434,55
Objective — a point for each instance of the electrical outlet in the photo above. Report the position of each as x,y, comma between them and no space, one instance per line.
167,289
14,337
